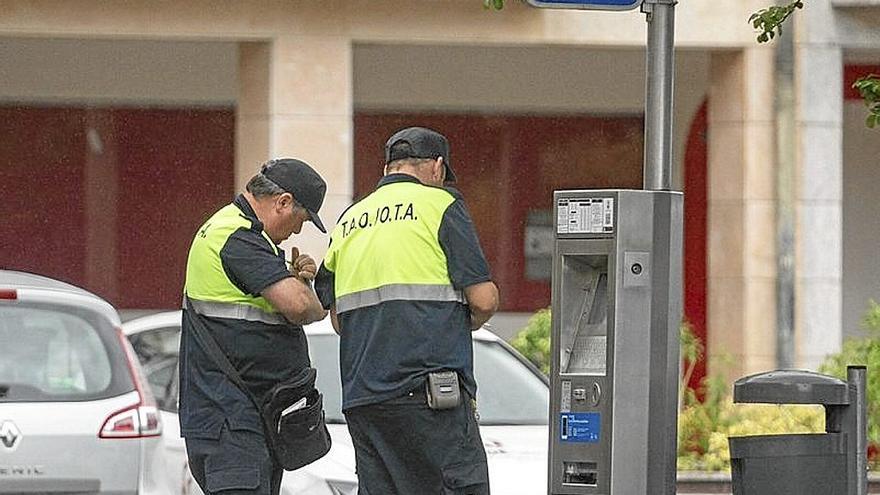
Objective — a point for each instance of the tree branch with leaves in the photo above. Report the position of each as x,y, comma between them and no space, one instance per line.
768,23
869,88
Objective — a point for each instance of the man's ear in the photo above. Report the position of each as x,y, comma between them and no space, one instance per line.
284,200
440,169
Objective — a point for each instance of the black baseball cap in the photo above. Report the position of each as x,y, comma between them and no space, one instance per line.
301,180
423,143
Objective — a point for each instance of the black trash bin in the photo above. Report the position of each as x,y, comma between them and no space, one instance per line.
788,464
833,463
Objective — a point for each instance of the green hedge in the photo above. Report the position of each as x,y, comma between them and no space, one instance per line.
863,351
704,425
533,341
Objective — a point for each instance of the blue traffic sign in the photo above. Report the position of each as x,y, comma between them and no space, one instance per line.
587,4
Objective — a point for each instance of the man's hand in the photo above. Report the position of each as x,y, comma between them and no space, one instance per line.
482,299
303,266
334,320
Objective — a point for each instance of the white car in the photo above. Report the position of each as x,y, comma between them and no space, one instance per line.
512,401
75,414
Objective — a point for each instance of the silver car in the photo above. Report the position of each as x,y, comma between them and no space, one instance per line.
512,401
75,416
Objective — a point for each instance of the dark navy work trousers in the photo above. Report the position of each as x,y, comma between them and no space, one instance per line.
402,447
237,463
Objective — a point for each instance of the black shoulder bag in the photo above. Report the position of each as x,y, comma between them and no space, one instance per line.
292,412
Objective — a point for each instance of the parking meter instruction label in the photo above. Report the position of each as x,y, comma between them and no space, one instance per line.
579,427
585,216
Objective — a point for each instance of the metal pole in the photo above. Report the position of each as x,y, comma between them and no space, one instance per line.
658,99
784,104
660,62
856,377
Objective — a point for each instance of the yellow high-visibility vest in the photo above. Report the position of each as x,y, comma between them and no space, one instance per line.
386,247
207,285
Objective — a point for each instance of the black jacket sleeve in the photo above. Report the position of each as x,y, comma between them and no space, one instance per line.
458,238
250,263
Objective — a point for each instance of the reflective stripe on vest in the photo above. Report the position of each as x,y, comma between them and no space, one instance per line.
397,292
234,311
206,279
386,247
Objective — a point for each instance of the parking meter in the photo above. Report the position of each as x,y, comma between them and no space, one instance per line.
616,309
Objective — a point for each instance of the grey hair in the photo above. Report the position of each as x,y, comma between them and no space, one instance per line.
260,186
412,162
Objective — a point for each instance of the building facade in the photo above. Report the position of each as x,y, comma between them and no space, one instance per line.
126,123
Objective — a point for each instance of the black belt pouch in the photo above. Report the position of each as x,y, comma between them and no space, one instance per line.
297,437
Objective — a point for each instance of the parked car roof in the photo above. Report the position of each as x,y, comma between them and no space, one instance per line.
32,280
37,288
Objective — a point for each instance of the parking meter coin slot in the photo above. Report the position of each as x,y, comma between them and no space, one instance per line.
580,473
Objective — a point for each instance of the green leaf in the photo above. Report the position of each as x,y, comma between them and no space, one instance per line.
768,22
869,88
871,121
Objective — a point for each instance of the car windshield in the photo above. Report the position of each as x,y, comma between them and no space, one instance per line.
50,355
508,391
157,344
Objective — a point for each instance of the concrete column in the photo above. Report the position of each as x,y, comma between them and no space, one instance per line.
295,100
741,251
819,124
252,118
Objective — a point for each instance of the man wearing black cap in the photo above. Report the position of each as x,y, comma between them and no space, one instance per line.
239,287
405,281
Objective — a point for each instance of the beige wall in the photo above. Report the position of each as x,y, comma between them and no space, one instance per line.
700,23
119,72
